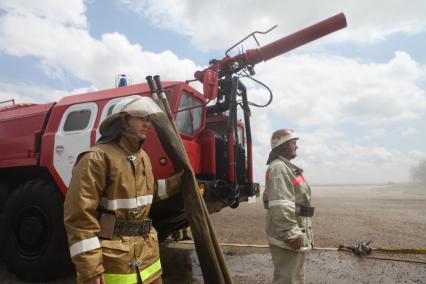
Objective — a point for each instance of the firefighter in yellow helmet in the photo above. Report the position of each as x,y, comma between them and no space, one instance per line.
108,201
287,199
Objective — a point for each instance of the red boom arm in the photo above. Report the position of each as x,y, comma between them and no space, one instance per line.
283,45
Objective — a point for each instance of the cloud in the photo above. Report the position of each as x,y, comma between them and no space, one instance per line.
69,48
345,162
261,134
28,93
320,94
71,14
332,90
377,132
208,23
410,131
330,157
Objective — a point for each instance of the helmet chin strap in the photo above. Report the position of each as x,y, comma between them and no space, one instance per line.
283,150
112,132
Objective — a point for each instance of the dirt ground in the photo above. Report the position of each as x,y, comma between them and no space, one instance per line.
390,215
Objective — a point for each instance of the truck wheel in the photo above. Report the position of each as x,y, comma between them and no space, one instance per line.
4,194
34,238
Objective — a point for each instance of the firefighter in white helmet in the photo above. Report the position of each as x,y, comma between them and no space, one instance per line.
109,198
287,199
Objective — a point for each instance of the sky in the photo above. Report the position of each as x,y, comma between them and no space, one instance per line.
356,97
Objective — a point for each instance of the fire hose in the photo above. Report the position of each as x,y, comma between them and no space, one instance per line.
361,249
209,253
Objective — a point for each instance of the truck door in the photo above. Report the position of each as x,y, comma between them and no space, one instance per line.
73,137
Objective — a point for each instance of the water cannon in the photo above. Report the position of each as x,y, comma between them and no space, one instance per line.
245,61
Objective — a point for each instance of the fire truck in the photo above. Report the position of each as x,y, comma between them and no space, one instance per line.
40,142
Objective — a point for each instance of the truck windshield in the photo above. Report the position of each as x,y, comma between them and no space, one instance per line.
189,121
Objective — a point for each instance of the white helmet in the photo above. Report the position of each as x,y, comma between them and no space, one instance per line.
134,106
281,136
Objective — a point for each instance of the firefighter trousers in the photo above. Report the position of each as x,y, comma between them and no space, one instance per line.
289,266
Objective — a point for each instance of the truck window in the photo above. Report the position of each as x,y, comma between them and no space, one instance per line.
110,109
77,120
189,121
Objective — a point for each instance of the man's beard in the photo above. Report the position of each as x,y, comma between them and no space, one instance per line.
288,153
292,155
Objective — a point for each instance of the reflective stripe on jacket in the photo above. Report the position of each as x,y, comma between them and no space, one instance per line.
285,190
117,177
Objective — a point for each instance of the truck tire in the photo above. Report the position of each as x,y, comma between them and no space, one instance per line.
4,194
33,234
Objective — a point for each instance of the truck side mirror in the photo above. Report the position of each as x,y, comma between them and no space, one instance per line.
210,84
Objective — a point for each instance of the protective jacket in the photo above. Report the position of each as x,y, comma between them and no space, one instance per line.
287,197
116,178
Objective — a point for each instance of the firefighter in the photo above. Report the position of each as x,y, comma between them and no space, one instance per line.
108,201
287,199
